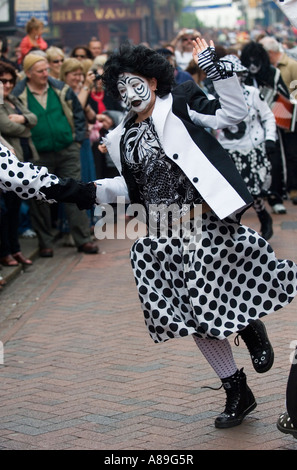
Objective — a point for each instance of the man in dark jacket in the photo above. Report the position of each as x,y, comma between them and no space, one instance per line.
57,137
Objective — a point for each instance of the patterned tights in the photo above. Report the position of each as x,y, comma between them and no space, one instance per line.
218,354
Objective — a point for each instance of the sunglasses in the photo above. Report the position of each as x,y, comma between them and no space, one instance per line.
58,61
6,80
188,39
80,56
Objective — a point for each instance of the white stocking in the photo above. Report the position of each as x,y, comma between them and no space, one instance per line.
218,354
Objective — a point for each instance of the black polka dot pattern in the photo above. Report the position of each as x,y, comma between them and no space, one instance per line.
231,278
24,179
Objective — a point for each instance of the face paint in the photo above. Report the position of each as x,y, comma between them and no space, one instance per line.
254,66
135,92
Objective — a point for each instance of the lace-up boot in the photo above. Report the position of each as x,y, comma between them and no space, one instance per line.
256,338
240,401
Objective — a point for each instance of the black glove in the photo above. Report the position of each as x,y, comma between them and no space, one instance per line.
270,147
69,190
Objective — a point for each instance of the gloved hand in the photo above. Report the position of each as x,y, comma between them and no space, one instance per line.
271,149
69,190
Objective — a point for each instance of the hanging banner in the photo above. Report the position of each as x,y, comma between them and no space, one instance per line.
25,9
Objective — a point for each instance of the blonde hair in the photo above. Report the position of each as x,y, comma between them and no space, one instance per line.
33,23
100,60
53,52
87,64
70,65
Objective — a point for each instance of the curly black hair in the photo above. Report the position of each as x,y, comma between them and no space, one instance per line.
256,51
142,61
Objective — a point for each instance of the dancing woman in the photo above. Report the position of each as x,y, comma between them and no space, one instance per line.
230,278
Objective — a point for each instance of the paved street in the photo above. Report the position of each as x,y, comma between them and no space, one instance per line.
80,371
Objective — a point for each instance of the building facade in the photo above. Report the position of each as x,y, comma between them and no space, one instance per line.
75,22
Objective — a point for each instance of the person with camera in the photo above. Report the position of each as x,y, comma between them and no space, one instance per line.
109,113
183,45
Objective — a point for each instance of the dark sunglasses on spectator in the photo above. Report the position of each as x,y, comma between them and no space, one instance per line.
81,56
57,61
189,39
6,80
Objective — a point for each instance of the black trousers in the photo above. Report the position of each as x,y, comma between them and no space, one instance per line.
9,225
291,393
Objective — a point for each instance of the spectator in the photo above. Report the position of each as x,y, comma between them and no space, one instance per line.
15,124
198,75
81,53
109,112
57,135
183,44
33,39
95,47
72,73
180,75
288,70
55,57
4,53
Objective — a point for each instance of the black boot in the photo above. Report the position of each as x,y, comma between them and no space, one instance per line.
266,224
257,341
240,401
285,425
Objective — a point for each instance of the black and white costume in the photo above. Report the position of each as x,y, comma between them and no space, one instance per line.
232,276
28,180
245,142
249,144
289,8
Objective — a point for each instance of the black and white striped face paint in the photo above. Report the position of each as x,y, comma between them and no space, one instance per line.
135,92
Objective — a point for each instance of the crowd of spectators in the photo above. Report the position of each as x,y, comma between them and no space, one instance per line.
55,111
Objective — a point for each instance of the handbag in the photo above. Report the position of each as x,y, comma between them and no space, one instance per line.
284,110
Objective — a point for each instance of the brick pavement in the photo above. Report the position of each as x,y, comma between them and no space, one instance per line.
81,373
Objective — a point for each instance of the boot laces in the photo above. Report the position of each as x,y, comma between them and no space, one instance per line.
253,340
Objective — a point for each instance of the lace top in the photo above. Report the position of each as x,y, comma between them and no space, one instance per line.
160,182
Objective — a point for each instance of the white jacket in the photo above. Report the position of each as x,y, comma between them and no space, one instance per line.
258,126
289,7
195,150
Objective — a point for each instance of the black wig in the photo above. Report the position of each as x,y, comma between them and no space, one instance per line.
255,52
139,60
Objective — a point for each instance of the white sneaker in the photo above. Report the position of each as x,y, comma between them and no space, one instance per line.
29,234
279,209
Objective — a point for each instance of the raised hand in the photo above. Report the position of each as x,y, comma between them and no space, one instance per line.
200,45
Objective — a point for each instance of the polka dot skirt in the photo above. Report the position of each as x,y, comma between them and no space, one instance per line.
231,278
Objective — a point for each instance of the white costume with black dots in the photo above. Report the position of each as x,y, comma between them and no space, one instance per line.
28,181
23,178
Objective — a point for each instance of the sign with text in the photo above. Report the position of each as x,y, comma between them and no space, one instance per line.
94,14
25,9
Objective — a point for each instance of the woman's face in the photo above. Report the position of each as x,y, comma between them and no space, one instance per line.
55,64
7,82
80,54
136,92
74,78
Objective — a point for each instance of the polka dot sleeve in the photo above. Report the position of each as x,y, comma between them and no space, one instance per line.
25,179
